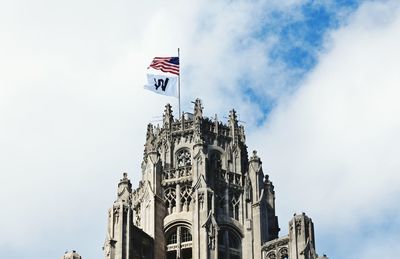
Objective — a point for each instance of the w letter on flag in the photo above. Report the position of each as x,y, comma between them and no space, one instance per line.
162,76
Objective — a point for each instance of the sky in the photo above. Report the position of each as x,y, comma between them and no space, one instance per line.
315,83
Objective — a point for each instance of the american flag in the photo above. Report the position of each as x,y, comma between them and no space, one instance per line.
166,64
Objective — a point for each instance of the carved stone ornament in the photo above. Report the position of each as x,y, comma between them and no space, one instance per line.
201,200
198,109
183,158
197,133
211,237
212,229
168,117
150,139
248,188
283,253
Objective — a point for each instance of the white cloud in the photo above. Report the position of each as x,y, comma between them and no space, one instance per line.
73,113
332,148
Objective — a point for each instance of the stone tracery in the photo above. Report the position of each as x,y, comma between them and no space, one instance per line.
186,198
170,199
183,158
221,184
234,205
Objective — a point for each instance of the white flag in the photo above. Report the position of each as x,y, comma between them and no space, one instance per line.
162,84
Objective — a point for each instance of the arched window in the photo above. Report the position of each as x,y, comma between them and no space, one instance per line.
186,236
216,162
170,199
179,242
186,197
229,245
234,202
215,174
172,239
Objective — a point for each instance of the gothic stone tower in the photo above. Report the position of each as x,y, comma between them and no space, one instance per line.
200,196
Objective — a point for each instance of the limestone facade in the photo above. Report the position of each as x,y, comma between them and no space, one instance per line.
201,196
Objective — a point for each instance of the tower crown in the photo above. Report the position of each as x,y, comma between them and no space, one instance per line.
201,196
195,128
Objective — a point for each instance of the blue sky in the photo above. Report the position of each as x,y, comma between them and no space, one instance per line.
315,83
300,38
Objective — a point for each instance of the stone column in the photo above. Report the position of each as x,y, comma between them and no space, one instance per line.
301,238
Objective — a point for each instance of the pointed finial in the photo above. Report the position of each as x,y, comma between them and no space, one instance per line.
124,178
168,109
149,133
233,118
216,128
254,157
167,116
198,109
124,188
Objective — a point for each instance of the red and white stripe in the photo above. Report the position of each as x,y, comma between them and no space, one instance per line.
161,63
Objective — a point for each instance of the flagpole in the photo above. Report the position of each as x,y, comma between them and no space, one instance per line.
179,84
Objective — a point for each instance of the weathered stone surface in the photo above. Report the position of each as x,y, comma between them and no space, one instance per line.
71,255
201,196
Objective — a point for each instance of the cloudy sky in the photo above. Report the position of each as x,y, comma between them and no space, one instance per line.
315,83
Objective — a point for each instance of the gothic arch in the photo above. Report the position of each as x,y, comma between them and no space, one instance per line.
179,242
234,204
217,150
229,243
183,157
232,228
170,199
215,163
175,223
186,197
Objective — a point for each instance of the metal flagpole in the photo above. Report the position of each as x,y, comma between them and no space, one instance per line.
179,84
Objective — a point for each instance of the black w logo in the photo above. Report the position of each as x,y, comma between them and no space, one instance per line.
162,83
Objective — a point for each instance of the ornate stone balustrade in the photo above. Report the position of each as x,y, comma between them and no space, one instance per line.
230,178
173,176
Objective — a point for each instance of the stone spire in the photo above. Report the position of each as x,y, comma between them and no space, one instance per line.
201,195
198,109
301,235
119,222
233,125
168,118
150,138
216,124
71,255
273,226
233,122
124,188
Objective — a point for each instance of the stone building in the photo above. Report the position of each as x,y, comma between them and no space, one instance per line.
71,255
201,196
